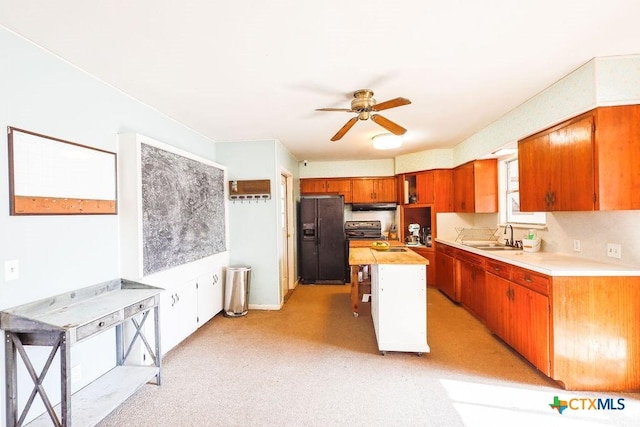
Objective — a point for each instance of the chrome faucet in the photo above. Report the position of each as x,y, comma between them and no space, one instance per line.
509,242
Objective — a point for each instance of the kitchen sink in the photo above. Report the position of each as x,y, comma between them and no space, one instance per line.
396,250
494,247
498,248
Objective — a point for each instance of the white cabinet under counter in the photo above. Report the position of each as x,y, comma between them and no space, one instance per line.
399,307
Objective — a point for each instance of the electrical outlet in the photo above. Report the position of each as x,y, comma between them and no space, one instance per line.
76,374
11,270
576,245
614,250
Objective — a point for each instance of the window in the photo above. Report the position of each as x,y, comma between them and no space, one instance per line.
512,213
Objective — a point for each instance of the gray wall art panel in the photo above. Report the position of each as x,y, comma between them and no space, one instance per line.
183,209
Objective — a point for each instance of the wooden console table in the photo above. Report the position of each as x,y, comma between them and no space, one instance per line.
60,322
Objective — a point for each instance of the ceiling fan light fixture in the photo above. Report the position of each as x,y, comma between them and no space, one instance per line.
386,141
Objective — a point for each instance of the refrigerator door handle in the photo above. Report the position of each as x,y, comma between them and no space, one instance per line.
318,231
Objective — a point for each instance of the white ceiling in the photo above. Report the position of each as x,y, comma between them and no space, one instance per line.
252,70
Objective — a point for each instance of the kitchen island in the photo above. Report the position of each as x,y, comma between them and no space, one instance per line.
399,296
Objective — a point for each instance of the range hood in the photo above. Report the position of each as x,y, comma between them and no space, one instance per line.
374,206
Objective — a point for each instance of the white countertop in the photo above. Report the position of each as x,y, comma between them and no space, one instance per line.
552,264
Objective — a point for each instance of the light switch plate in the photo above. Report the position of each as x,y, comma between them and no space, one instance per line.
576,246
614,250
11,270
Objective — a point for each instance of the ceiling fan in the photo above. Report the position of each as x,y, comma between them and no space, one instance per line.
364,105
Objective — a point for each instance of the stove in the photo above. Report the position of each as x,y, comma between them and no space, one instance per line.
363,230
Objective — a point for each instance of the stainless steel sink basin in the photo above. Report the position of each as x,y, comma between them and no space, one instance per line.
498,248
396,250
494,247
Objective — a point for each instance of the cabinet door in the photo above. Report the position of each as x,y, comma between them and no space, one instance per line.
430,255
617,138
312,186
384,190
498,314
530,326
424,187
210,288
556,168
463,188
485,186
466,285
470,277
445,270
362,191
572,159
401,313
533,180
340,186
443,190
178,317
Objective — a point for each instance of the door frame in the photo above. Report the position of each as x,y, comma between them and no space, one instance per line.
288,244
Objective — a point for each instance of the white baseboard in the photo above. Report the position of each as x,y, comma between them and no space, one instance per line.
264,307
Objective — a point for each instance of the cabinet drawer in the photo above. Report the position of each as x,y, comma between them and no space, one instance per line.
499,269
98,325
534,281
446,249
470,258
138,307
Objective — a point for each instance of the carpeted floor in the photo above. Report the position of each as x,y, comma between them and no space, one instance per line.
313,364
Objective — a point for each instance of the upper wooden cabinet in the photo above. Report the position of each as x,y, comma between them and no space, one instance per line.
585,163
432,187
475,187
327,185
424,187
373,190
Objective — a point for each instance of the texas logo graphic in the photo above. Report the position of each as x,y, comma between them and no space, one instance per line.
558,404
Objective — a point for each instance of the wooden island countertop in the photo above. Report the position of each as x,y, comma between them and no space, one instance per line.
369,256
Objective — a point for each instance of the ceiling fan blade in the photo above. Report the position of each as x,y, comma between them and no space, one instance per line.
348,110
344,129
392,127
396,102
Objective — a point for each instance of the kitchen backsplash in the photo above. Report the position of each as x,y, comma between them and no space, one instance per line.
594,230
386,218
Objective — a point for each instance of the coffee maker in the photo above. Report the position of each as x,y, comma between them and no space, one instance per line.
426,237
413,237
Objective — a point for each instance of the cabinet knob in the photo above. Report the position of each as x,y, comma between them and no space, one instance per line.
101,324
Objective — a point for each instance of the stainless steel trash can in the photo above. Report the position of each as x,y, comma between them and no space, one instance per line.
236,291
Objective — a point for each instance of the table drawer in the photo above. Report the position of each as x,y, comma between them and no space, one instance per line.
499,268
98,325
534,281
138,307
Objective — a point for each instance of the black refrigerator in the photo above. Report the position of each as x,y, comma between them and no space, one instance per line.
322,249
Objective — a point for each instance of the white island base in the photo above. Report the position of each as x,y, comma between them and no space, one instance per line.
399,307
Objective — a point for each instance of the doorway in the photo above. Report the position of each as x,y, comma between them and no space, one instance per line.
286,221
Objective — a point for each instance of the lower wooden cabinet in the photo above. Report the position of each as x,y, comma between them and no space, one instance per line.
430,255
470,277
520,317
581,331
445,271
